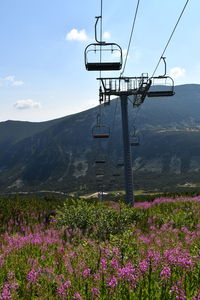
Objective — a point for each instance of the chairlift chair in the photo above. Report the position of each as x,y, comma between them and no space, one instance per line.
134,140
100,161
116,175
99,173
102,56
120,163
163,85
100,131
153,94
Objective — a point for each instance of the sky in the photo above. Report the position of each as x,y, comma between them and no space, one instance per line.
42,43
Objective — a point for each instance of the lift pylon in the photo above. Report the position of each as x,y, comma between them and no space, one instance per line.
124,87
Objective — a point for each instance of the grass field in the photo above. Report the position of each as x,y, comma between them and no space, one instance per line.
83,249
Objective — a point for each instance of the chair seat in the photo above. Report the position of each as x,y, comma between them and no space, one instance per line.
160,93
106,66
100,136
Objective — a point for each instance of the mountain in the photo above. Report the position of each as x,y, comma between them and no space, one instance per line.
60,154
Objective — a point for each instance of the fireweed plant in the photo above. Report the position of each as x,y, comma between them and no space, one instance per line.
91,250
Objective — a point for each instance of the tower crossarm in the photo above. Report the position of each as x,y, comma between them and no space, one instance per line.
119,86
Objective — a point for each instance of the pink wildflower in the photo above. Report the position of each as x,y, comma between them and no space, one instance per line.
143,266
67,284
9,288
1,260
62,290
33,261
6,295
126,272
103,264
86,273
60,250
114,263
165,273
77,296
178,291
32,276
197,297
72,254
112,283
95,292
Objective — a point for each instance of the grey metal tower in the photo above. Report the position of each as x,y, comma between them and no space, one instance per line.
124,87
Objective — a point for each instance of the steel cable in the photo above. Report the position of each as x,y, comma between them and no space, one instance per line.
131,35
170,37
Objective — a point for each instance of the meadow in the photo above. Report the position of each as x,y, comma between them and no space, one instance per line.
84,249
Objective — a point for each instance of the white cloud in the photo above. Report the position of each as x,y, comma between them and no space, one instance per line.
177,72
18,83
27,104
75,35
10,80
106,35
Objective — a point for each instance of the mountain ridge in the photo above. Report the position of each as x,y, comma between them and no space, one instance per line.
61,153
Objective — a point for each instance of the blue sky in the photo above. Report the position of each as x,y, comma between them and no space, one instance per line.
42,42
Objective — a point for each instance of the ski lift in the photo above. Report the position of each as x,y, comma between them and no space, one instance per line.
100,161
134,139
116,175
102,56
100,131
162,86
120,163
99,51
99,173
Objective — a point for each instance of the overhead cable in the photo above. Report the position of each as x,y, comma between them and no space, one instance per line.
129,44
101,33
170,37
101,12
